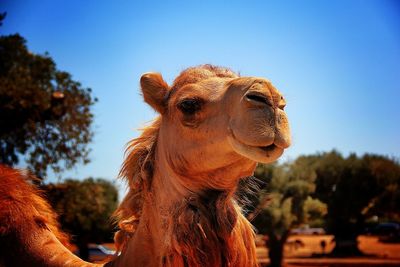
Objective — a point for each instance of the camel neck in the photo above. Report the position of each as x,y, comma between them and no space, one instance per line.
183,216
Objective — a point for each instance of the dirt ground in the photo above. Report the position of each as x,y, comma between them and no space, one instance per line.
300,248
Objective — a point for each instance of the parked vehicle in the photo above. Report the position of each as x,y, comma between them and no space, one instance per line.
387,232
307,230
99,253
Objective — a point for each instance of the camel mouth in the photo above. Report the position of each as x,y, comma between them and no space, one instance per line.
262,154
268,148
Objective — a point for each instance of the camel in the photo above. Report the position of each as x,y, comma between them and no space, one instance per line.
183,171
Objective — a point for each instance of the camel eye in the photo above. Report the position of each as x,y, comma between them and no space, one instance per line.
190,106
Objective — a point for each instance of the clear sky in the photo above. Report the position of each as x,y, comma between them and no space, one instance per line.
337,62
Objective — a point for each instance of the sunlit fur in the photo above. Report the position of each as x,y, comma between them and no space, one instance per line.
137,170
21,203
29,231
200,238
202,225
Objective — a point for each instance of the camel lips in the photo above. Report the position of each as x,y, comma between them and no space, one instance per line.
268,148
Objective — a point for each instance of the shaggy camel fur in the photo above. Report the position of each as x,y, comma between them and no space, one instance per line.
183,172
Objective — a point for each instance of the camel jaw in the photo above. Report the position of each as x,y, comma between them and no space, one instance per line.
262,154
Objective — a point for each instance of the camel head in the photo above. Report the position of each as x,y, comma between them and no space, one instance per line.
215,123
183,172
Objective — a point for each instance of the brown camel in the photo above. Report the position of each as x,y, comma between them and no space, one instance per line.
183,171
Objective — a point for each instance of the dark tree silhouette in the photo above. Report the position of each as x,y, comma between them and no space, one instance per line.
85,209
354,188
45,115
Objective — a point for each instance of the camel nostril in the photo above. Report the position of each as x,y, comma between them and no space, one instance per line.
258,98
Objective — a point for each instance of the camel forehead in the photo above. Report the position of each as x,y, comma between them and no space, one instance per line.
199,73
208,77
215,87
245,81
261,83
203,88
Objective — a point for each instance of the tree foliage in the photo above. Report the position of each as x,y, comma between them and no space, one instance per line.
355,188
288,191
347,190
85,208
45,115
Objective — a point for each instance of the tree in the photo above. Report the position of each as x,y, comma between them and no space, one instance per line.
288,190
353,189
385,205
85,209
45,115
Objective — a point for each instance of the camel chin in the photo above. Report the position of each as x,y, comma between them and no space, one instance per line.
262,154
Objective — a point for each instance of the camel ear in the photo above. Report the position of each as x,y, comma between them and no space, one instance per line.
154,90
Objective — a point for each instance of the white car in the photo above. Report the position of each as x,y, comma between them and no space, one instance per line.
98,253
307,230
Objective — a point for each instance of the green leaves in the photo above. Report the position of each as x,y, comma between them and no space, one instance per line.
85,207
342,191
339,192
288,186
45,116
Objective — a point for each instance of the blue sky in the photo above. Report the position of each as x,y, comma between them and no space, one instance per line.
337,62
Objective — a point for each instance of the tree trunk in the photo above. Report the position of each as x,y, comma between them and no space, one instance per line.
346,247
346,238
275,246
83,246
